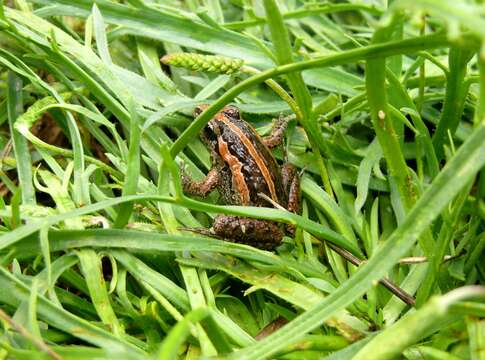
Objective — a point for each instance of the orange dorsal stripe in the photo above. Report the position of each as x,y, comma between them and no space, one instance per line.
236,170
255,155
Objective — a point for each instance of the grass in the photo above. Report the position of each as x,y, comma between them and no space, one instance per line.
388,121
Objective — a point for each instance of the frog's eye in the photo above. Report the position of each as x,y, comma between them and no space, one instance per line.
232,112
199,109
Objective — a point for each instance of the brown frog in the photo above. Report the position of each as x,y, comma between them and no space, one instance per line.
245,172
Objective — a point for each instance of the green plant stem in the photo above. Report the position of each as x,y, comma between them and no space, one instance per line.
375,78
422,71
277,88
469,308
354,55
81,193
480,114
395,62
189,274
454,98
423,132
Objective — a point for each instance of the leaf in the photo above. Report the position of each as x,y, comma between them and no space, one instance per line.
214,86
100,35
90,264
456,269
20,145
333,80
130,185
170,346
323,201
237,311
371,158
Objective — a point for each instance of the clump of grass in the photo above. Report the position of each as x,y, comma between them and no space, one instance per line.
388,107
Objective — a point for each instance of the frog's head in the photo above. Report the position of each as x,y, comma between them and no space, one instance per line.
213,128
231,112
228,111
199,109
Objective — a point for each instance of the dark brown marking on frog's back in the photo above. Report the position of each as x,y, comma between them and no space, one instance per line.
235,166
236,131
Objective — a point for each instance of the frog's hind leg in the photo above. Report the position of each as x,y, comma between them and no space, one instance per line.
277,133
291,184
262,234
200,188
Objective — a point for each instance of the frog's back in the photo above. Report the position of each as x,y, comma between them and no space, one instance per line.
258,166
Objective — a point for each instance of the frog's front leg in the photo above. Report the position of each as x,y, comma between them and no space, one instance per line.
201,188
277,133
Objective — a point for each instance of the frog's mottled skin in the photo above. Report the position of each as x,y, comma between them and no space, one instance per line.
243,168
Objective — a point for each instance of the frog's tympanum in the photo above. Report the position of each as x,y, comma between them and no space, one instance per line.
243,168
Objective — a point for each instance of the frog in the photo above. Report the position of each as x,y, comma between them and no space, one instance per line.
245,172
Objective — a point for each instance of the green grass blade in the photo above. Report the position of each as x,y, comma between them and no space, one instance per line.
20,145
382,121
142,272
100,35
130,185
170,346
15,291
454,98
391,342
90,264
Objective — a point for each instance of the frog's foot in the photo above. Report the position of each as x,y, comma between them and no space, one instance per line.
262,234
